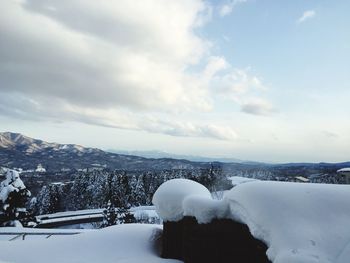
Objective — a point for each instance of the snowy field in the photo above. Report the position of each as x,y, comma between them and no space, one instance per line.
130,243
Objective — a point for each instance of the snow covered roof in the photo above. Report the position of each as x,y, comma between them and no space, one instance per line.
302,179
346,169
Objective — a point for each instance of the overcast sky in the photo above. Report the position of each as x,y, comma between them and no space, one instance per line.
250,79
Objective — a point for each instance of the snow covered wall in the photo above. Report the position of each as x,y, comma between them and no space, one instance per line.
299,223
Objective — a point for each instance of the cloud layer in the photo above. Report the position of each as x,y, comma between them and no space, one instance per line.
122,65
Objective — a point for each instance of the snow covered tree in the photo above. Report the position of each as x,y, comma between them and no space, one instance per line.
49,199
13,196
124,216
109,215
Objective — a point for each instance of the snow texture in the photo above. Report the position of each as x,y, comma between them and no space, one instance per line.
347,169
205,209
236,180
130,243
170,195
10,184
300,223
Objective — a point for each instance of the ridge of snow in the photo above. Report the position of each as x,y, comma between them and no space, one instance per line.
205,209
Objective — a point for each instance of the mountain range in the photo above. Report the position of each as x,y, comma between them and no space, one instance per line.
17,150
162,154
20,151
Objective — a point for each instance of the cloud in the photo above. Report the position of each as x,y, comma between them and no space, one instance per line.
228,7
20,107
237,81
330,134
121,64
258,107
306,15
115,54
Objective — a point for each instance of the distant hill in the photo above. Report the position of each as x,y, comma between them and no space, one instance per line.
17,150
194,158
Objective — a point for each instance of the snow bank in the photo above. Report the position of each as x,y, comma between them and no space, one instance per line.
236,180
300,223
129,243
205,209
170,195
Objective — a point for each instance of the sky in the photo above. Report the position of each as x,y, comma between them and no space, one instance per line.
249,79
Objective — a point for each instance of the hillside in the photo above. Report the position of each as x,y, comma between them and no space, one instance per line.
20,151
17,150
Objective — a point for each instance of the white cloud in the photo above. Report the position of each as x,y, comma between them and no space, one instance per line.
306,15
228,7
238,81
122,65
258,106
130,55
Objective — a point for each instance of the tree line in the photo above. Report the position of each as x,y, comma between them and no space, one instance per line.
121,188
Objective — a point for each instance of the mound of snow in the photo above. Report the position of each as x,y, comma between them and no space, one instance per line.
130,243
205,209
300,223
170,195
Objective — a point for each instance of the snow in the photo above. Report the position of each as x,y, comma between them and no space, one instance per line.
205,209
40,169
71,218
236,180
300,223
146,214
21,230
10,184
71,213
169,197
302,179
346,169
129,243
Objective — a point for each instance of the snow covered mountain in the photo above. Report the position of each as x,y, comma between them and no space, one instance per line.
194,158
17,150
17,141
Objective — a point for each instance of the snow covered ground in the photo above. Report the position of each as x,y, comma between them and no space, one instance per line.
130,243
